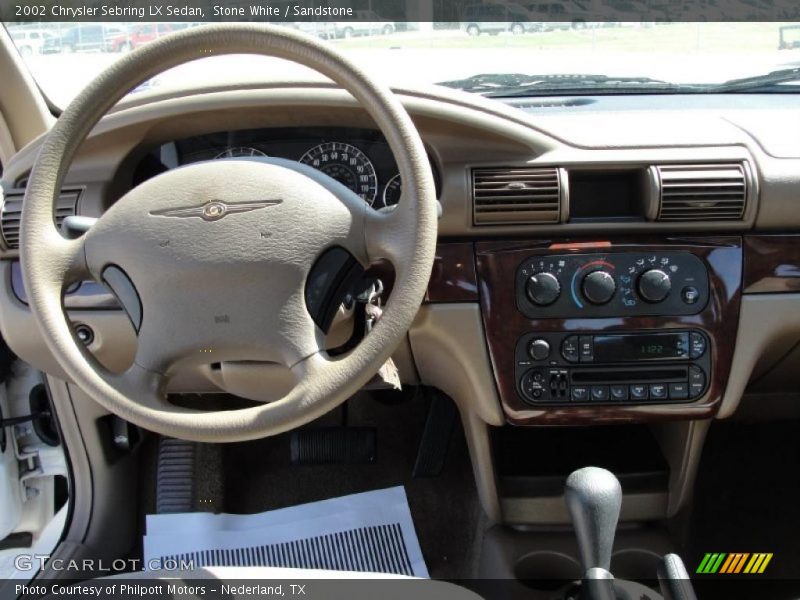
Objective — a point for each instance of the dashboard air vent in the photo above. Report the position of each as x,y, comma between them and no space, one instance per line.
12,211
709,192
515,195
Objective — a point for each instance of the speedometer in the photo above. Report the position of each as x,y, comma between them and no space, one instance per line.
346,164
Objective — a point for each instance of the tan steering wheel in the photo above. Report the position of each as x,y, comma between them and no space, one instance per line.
226,280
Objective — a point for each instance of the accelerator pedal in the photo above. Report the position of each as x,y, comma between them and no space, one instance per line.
333,445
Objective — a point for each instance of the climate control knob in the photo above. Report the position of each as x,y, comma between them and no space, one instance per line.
654,285
599,287
543,288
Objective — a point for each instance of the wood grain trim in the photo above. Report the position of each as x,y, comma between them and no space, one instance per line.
771,264
496,265
453,278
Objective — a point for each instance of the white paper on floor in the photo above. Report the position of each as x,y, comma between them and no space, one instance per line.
367,532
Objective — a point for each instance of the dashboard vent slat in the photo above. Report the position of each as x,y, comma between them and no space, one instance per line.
12,212
515,195
703,192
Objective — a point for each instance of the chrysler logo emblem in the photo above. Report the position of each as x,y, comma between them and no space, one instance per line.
214,210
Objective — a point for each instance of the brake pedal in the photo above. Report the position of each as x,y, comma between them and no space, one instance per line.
334,445
175,476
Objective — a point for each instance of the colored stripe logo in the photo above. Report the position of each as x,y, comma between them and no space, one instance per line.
733,563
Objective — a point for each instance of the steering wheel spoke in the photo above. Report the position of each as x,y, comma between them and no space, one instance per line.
67,264
386,235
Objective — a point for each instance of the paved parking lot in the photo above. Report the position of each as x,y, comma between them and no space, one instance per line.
690,53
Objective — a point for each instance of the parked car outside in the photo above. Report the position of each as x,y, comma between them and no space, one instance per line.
29,41
141,34
320,29
81,38
366,22
497,18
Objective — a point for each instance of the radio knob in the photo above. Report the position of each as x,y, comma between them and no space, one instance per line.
543,288
539,349
654,285
599,287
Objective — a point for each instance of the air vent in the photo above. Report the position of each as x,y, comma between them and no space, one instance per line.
701,192
515,195
12,211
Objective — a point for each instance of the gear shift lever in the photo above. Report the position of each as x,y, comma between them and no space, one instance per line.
593,498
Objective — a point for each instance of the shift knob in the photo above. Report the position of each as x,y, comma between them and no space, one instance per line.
593,498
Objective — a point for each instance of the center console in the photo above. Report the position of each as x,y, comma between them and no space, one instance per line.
610,330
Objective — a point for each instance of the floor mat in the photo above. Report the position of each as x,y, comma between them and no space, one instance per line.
259,476
367,532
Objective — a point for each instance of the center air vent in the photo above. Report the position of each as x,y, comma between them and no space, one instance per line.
709,192
515,195
12,212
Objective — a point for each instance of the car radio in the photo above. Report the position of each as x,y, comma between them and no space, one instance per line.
611,368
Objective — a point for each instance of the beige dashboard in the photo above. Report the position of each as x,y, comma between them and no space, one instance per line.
462,132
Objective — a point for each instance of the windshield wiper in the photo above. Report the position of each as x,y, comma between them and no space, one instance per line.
769,81
508,85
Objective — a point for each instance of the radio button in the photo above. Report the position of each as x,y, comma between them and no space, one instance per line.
658,391
580,394
638,391
569,349
697,345
619,392
678,391
587,348
697,381
599,393
533,387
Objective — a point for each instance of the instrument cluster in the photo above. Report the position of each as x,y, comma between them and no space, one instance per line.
358,158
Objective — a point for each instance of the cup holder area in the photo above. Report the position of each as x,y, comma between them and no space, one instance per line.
546,570
635,564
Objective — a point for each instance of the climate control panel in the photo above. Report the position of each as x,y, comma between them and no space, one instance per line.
609,285
661,366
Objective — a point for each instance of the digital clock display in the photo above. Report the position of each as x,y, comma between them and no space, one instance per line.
641,346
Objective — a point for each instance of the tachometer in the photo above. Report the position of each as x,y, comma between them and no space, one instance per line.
346,164
240,151
391,193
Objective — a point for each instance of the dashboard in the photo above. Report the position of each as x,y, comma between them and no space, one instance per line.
563,227
360,159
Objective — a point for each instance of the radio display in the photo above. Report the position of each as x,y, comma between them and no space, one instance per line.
641,346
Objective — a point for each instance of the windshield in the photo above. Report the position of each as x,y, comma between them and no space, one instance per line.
494,58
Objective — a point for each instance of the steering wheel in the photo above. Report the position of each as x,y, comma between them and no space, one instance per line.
212,260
